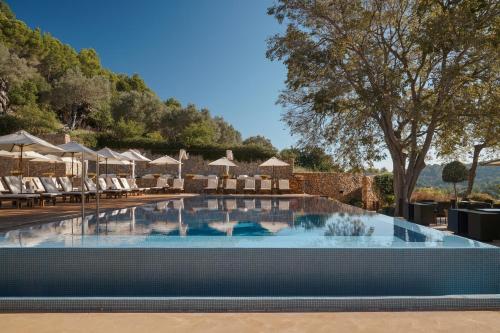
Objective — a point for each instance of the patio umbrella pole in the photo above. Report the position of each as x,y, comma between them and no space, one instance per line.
97,195
82,189
21,169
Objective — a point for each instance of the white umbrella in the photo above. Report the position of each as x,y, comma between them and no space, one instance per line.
73,149
223,161
23,141
135,156
108,154
77,149
165,160
274,162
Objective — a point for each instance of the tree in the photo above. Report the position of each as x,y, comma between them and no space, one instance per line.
128,129
176,120
227,135
198,134
312,158
14,71
364,76
90,64
37,120
454,172
76,96
478,128
260,141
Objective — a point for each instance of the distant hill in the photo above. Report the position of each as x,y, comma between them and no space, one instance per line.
487,179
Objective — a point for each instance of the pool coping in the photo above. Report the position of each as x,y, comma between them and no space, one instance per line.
250,304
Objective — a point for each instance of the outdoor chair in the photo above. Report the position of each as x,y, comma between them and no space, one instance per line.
161,185
17,187
177,185
16,199
230,186
52,192
108,191
115,185
265,186
212,185
133,185
249,185
126,186
91,187
284,186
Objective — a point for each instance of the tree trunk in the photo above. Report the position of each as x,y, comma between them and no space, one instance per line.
4,98
473,168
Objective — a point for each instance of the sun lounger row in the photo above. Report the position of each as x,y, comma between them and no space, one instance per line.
230,186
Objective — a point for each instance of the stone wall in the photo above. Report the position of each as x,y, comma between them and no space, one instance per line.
344,187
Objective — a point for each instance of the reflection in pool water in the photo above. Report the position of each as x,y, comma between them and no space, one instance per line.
225,221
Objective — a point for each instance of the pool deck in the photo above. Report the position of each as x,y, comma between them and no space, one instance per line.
373,322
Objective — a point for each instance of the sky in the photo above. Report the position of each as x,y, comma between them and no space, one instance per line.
207,52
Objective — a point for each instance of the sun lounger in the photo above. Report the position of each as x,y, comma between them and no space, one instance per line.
177,186
106,190
126,186
161,185
230,186
284,186
265,186
66,184
116,185
133,185
212,185
249,185
51,191
17,199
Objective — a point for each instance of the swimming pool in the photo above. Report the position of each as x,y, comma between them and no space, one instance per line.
244,254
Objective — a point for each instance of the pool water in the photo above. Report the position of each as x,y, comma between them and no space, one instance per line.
234,222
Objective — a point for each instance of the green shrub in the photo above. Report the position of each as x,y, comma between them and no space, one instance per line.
86,138
475,196
128,128
454,172
385,188
430,193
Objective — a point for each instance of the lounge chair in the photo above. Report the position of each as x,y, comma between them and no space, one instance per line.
108,191
249,185
91,187
284,186
116,185
265,186
16,199
67,187
177,186
161,185
212,185
51,191
133,185
17,187
230,186
126,186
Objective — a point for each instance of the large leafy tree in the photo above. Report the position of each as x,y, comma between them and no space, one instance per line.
365,76
477,129
260,141
76,97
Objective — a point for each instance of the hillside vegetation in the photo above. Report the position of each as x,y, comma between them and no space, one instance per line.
47,86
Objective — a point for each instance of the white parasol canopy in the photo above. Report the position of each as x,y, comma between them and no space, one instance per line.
23,141
274,162
225,162
164,160
134,155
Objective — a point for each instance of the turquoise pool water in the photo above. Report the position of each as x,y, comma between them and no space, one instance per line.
234,222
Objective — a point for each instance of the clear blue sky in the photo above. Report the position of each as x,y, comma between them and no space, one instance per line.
207,52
